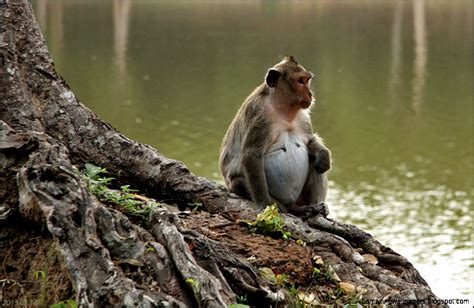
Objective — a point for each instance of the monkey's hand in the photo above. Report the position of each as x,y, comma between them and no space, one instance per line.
322,160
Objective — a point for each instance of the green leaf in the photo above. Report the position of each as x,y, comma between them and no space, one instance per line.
193,282
195,206
241,299
70,303
127,189
316,271
268,274
282,279
92,170
39,274
270,222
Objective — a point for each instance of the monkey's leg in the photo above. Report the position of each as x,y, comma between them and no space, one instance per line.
239,187
311,201
315,188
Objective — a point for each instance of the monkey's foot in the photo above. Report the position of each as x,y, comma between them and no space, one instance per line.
312,210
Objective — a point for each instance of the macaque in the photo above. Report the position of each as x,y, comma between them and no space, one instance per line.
270,153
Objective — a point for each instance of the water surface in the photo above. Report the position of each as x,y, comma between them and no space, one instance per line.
394,99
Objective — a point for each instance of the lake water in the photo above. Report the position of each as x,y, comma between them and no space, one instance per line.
394,92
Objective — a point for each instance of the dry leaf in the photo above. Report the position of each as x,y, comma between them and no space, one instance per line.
309,299
318,260
370,258
348,288
141,198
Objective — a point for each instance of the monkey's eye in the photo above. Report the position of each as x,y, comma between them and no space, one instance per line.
301,80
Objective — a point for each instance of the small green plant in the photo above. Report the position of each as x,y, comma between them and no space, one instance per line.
195,206
335,294
241,300
300,242
269,222
239,306
150,248
39,275
355,299
268,274
295,294
69,303
125,198
93,175
316,272
192,282
331,274
283,280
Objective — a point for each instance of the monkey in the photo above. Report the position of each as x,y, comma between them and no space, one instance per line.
270,153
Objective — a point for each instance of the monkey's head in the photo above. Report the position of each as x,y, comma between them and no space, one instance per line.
291,82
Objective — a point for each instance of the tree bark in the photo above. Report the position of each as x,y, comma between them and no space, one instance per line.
170,259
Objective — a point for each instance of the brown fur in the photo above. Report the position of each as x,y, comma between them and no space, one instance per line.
277,106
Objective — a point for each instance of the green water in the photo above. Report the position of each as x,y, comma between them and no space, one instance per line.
394,99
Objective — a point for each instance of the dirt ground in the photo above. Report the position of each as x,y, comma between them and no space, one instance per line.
283,257
31,274
286,257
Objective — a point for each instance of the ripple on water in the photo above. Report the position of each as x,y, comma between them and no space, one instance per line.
430,227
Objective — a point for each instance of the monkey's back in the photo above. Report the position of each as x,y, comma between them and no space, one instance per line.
251,110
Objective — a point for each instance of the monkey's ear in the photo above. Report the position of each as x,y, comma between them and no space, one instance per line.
272,77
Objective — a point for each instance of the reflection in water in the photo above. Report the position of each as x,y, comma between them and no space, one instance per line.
396,47
405,179
52,24
57,25
419,67
121,21
41,14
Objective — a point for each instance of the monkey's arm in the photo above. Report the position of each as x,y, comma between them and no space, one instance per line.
252,162
319,154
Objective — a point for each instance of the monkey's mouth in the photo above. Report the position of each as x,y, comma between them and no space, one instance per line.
306,103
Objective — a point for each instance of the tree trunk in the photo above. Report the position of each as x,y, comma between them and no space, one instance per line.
71,245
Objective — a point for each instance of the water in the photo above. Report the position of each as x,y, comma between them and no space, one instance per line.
394,91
